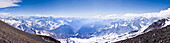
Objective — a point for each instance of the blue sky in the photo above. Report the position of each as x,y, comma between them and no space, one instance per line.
85,7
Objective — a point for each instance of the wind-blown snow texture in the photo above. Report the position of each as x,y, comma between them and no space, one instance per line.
110,28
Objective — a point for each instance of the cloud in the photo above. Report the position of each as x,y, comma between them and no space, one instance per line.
4,13
45,15
36,15
40,15
9,3
162,13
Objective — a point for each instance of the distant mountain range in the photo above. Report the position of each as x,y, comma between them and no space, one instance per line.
75,29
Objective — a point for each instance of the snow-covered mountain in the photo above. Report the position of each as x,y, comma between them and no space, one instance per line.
101,29
74,29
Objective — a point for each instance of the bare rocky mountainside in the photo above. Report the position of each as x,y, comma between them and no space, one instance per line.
154,34
9,34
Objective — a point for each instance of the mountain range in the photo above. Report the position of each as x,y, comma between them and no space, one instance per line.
79,30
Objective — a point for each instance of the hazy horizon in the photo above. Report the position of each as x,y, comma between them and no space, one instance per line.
81,7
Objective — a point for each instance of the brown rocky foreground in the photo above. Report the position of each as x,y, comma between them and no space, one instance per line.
9,34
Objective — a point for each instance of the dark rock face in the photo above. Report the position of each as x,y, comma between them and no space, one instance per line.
156,36
49,39
9,34
156,25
